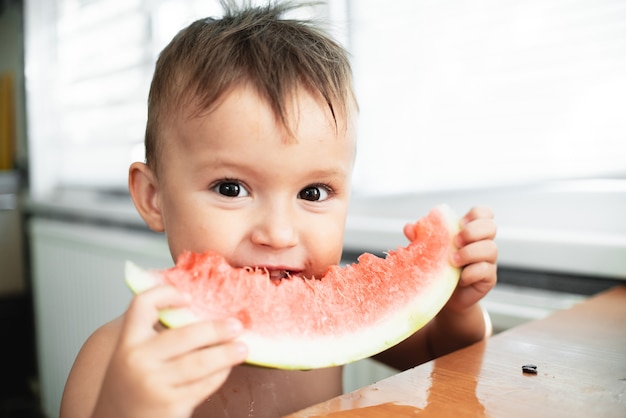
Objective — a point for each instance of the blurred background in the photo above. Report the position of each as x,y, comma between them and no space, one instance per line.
515,104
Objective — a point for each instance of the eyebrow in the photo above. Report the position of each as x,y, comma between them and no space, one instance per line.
328,173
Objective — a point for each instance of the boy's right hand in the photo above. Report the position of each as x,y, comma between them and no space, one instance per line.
166,373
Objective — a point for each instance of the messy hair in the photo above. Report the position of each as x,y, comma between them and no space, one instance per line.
254,45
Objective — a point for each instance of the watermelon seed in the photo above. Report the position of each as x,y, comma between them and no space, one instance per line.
529,368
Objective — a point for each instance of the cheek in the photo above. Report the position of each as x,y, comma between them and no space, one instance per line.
327,239
202,237
198,228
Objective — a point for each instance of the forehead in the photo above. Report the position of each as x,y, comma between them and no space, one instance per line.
304,115
242,136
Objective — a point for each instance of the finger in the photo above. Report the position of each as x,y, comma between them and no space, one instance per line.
204,363
143,312
180,400
476,281
481,275
466,297
409,232
477,212
485,250
476,230
172,343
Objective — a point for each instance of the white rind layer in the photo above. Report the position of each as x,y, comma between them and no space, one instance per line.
352,346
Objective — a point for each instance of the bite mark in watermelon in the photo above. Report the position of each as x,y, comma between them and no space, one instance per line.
350,313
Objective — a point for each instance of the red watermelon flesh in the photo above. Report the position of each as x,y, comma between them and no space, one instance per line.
350,313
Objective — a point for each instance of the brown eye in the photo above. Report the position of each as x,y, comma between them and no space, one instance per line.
314,193
231,189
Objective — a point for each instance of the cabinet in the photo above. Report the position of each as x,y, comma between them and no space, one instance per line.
78,285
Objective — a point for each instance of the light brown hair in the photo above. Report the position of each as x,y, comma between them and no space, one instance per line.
253,45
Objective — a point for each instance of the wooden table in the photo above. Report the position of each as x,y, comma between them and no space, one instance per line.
580,354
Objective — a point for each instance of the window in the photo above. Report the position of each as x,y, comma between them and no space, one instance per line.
453,94
88,69
463,94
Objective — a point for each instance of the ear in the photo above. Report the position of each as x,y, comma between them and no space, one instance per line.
145,192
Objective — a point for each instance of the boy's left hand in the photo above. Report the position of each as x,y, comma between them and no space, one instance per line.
476,255
462,321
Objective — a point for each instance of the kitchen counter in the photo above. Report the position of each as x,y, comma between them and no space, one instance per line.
87,205
580,354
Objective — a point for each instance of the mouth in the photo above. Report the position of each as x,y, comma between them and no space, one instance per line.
278,274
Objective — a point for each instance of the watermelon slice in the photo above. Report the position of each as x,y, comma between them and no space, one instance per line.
348,314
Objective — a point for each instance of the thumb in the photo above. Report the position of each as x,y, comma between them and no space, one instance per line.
143,312
409,232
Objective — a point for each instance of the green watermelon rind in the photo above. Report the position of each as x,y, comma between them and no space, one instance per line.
325,351
140,280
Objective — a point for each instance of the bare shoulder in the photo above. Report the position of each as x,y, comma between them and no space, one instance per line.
85,378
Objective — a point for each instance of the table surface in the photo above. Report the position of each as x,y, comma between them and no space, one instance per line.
580,354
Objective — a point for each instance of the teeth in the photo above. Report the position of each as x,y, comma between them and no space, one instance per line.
278,274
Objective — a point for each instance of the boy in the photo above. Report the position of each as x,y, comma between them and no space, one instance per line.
250,144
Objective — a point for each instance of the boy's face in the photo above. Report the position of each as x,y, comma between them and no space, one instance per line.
233,181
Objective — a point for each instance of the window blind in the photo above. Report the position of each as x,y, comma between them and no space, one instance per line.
462,94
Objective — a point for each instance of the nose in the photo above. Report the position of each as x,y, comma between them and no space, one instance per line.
275,226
